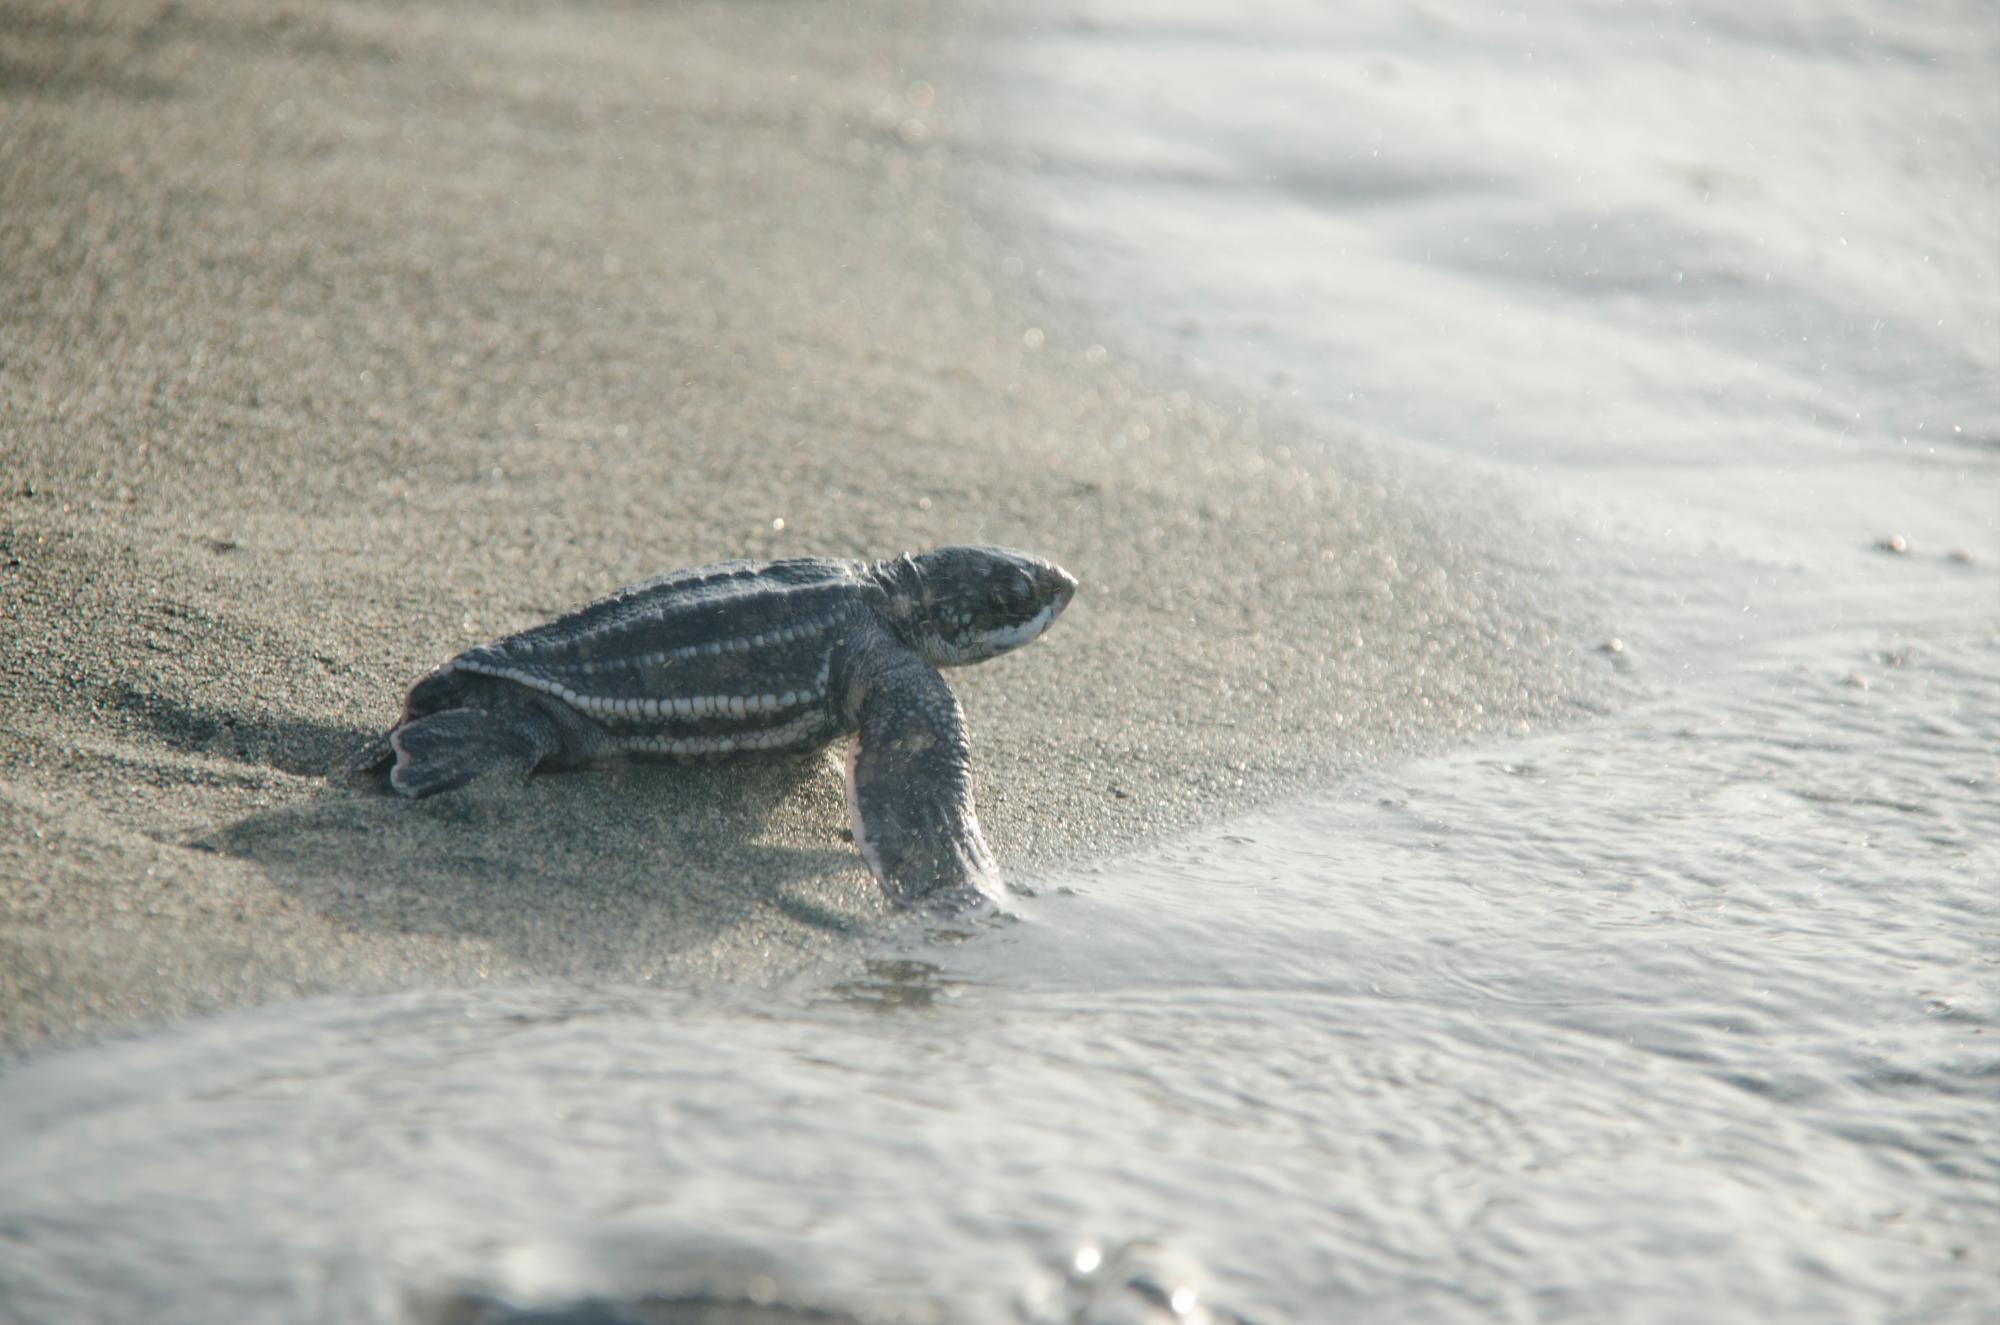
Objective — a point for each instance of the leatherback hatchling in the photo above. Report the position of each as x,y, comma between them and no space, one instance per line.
748,658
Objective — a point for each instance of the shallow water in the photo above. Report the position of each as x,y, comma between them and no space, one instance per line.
1518,1034
1685,1014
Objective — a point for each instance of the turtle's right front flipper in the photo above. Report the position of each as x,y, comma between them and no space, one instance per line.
909,788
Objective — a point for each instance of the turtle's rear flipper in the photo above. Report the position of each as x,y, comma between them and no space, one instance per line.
909,791
441,751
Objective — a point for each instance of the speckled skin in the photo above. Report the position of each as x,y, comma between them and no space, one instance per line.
749,658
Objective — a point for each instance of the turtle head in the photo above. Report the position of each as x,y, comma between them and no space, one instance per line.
966,604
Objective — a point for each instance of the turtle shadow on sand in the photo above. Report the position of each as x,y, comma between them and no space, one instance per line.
610,873
289,744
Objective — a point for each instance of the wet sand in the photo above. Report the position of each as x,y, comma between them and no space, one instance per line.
336,338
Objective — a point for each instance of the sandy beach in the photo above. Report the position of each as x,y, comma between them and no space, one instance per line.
335,338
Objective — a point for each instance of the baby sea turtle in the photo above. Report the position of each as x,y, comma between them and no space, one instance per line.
746,658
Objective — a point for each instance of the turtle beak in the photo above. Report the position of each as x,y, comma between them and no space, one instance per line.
1065,589
1059,585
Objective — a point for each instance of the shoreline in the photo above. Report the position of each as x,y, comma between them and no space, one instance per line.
392,337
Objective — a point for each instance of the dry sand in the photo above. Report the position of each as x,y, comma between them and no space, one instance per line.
336,337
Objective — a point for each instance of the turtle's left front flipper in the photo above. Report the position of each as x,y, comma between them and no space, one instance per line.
909,787
444,751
